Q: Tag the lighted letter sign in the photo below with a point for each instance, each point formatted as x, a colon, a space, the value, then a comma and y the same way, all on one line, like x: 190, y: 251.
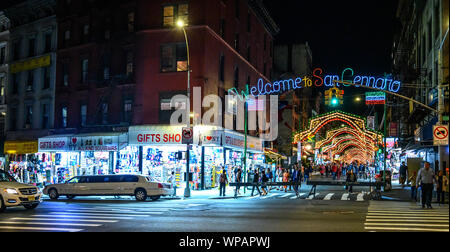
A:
x: 375, y: 98
x: 318, y: 80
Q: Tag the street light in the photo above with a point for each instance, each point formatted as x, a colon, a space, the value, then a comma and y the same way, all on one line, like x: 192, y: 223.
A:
x: 181, y: 24
x: 358, y: 99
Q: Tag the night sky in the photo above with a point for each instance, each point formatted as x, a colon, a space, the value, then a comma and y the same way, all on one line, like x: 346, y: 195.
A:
x: 341, y: 34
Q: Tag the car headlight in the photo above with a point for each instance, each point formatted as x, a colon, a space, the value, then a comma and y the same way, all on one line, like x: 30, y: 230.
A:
x: 11, y: 191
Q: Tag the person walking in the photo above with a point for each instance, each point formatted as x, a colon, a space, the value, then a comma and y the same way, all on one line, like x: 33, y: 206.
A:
x: 402, y: 172
x: 171, y: 180
x: 440, y: 188
x: 255, y: 182
x: 264, y: 180
x: 307, y: 173
x: 425, y: 179
x: 413, y: 186
x: 334, y: 171
x: 285, y: 178
x: 351, y: 178
x: 223, y: 180
x: 238, y: 180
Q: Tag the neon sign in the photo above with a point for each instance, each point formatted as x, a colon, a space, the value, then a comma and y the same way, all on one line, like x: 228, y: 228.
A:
x: 381, y: 83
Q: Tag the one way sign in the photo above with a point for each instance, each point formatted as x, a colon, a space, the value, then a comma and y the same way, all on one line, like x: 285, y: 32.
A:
x: 440, y: 135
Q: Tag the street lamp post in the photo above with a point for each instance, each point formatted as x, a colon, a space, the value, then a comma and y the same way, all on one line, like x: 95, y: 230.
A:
x: 187, y: 190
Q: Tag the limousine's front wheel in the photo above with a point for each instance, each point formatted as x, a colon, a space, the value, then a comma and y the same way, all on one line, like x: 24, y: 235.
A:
x: 53, y: 194
x: 140, y: 194
x: 2, y: 205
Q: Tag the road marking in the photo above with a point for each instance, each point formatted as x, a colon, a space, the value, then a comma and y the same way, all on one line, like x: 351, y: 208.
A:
x: 81, y: 217
x: 52, y: 223
x: 345, y: 196
x: 287, y: 195
x: 408, y: 214
x: 55, y: 219
x: 406, y: 229
x: 407, y: 224
x: 328, y: 197
x: 115, y: 212
x: 272, y: 195
x: 102, y: 214
x: 360, y: 197
x: 313, y: 196
x: 409, y: 217
x: 398, y: 220
x: 299, y: 195
x: 42, y: 229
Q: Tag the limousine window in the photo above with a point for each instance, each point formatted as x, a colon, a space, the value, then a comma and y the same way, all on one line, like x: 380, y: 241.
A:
x: 74, y: 180
x: 130, y: 179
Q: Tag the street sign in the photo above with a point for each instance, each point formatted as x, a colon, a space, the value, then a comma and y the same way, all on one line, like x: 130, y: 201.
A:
x: 440, y: 134
x: 188, y: 135
x: 375, y: 98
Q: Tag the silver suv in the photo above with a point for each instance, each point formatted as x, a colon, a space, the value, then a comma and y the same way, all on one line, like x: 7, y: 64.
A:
x: 14, y: 194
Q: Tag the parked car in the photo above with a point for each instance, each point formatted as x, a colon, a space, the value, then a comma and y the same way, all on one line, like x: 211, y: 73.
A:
x: 14, y: 194
x: 141, y: 187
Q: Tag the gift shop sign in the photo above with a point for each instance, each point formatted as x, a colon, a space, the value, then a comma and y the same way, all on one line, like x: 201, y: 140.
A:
x: 54, y: 144
x: 95, y: 143
x: 170, y: 135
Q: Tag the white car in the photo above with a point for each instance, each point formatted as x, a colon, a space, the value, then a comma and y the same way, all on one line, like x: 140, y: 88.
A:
x: 138, y: 186
x: 14, y: 194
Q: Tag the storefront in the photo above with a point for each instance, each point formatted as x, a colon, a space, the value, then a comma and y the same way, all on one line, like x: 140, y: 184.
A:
x: 21, y: 161
x: 102, y: 153
x: 214, y: 156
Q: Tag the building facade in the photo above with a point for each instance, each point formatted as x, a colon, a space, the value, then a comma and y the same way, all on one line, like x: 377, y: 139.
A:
x: 4, y: 38
x: 420, y: 60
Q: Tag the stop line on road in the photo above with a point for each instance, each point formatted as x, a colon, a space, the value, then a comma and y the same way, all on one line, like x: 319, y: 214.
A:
x: 359, y: 197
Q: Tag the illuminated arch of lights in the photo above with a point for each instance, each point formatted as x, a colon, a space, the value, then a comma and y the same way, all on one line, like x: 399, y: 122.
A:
x: 348, y: 139
x: 355, y: 123
x: 332, y: 134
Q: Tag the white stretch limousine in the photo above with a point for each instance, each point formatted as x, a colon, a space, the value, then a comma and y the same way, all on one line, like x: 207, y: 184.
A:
x: 110, y: 185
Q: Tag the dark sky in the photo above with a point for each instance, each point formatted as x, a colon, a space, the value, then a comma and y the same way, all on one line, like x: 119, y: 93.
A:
x: 341, y: 34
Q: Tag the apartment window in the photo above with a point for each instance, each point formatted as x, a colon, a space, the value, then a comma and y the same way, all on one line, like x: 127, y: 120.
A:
x: 64, y: 117
x: 83, y: 115
x: 130, y: 64
x: 222, y: 28
x: 222, y: 68
x: 85, y: 33
x: 127, y: 110
x: 174, y: 58
x: 131, y: 22
x: 2, y: 55
x: 237, y: 8
x: 105, y: 113
x: 175, y: 12
x: 48, y: 42
x: 13, y: 119
x: 84, y: 71
x: 30, y: 81
x: 28, y: 116
x: 66, y: 74
x: 236, y: 77
x: 15, y: 81
x: 16, y: 50
x: 46, y: 78
x: 45, y: 116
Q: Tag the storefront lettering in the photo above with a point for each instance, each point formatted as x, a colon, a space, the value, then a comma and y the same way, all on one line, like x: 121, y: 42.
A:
x: 52, y: 145
x: 159, y: 138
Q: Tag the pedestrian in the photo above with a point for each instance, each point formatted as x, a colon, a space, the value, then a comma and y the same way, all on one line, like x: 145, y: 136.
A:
x: 351, y: 178
x: 171, y: 180
x: 264, y: 180
x: 440, y: 188
x: 445, y: 185
x: 425, y: 179
x: 402, y: 172
x: 238, y: 180
x: 255, y: 182
x: 334, y: 171
x: 413, y: 186
x: 307, y: 173
x: 285, y: 178
x: 223, y: 180
x: 297, y: 180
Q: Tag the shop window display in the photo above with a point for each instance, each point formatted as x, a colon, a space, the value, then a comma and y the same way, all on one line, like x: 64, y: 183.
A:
x: 58, y: 167
x: 213, y: 165
x: 94, y: 163
x: 128, y: 161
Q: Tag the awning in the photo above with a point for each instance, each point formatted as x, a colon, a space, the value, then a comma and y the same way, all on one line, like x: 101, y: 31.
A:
x: 274, y: 156
x: 55, y: 143
x: 99, y: 142
x: 21, y: 147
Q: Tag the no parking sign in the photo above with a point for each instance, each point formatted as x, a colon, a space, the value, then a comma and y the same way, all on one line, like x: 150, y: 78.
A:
x: 440, y: 134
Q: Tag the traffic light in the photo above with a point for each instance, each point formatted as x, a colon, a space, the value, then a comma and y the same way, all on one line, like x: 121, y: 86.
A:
x: 334, y: 97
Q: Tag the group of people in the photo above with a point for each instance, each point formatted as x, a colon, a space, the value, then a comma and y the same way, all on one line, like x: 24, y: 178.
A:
x: 426, y: 179
x: 338, y: 170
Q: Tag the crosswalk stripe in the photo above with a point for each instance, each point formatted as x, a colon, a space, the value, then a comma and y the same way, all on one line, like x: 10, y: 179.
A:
x: 102, y: 214
x: 328, y: 197
x: 407, y: 214
x: 287, y: 195
x: 56, y: 219
x: 360, y: 197
x: 272, y: 195
x: 113, y: 212
x: 313, y: 196
x: 411, y: 212
x: 51, y: 223
x: 345, y: 196
x: 82, y: 217
x: 409, y: 217
x: 42, y: 229
x: 406, y: 229
x: 399, y: 220
x: 407, y: 224
x: 299, y: 195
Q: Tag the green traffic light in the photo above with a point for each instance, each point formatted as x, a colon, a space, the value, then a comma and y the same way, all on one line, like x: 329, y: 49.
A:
x: 335, y: 101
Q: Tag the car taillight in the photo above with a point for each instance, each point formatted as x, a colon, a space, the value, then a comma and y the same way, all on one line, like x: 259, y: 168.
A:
x: 160, y: 186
